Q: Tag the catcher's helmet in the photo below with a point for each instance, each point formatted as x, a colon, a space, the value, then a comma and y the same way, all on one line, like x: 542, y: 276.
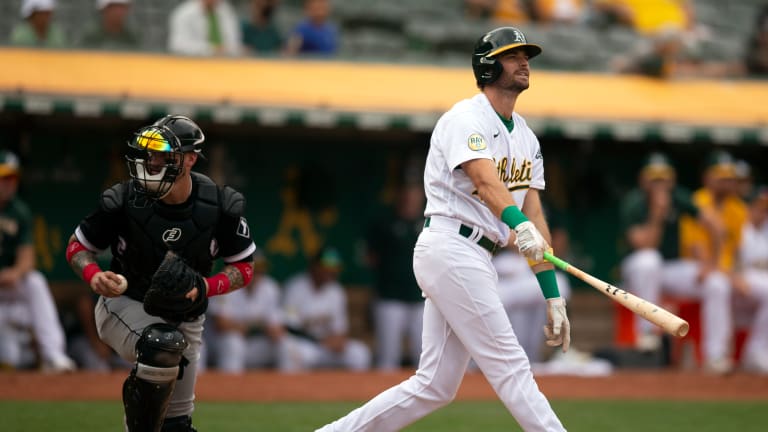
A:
x: 493, y: 43
x: 156, y: 154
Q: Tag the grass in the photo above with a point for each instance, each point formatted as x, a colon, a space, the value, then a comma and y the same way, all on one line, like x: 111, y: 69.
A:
x: 462, y: 416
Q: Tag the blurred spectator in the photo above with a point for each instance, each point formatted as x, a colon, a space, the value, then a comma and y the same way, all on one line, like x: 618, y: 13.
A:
x: 315, y: 34
x: 756, y: 60
x: 30, y: 330
x: 559, y: 11
x: 315, y: 306
x: 745, y: 180
x: 111, y: 31
x: 247, y: 324
x: 666, y: 55
x: 398, y: 306
x: 655, y: 261
x: 655, y: 57
x: 751, y: 284
x: 479, y: 9
x: 204, y: 28
x: 511, y: 11
x: 647, y: 17
x: 260, y: 33
x: 719, y: 250
x: 37, y: 27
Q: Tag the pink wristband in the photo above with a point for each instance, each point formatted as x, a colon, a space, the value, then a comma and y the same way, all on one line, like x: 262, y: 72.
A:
x: 217, y: 284
x: 89, y: 271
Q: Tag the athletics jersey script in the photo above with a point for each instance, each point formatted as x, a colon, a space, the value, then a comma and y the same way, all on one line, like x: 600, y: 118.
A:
x: 473, y: 130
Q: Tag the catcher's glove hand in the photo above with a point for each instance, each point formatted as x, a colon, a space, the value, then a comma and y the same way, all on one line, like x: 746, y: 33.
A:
x: 166, y: 296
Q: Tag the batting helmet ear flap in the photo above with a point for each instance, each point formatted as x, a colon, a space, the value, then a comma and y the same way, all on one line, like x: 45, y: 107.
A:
x: 487, y: 70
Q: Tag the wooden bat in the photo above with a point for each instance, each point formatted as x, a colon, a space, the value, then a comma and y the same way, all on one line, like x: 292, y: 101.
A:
x: 668, y: 321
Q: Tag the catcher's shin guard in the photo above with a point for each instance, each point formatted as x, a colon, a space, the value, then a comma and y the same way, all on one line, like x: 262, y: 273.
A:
x: 178, y: 424
x: 147, y: 390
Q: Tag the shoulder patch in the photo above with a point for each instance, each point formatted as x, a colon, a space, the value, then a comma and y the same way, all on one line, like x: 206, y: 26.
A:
x: 476, y: 142
x: 232, y: 201
x: 113, y: 198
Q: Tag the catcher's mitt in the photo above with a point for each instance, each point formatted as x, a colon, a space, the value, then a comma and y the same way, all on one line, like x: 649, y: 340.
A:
x: 169, y: 286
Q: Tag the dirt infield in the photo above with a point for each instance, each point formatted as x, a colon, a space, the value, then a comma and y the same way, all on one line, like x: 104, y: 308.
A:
x: 341, y: 386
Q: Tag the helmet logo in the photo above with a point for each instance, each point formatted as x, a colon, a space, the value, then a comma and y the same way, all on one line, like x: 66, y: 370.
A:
x: 172, y: 235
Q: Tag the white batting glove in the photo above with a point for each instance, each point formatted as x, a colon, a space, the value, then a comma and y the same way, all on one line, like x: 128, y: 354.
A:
x: 530, y: 242
x: 558, y: 328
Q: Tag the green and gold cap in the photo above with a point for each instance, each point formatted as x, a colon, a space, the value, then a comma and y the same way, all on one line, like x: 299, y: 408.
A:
x: 657, y: 167
x: 9, y: 163
x: 722, y: 165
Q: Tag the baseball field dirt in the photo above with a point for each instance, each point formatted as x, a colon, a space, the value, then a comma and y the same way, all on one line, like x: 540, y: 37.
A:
x: 345, y: 386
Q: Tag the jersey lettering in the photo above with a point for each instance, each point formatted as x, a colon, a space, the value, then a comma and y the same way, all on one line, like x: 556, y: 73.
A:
x: 515, y: 173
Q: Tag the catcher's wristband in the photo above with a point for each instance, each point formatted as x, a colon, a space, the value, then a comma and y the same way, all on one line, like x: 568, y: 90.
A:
x: 548, y: 283
x: 218, y: 284
x: 90, y: 271
x: 533, y: 263
x: 512, y: 216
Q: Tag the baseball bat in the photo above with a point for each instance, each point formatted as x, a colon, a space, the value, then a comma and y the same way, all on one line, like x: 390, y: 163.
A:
x: 668, y: 321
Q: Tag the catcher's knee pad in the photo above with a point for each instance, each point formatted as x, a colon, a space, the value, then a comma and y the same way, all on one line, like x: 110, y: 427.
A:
x: 159, y: 352
x: 147, y: 391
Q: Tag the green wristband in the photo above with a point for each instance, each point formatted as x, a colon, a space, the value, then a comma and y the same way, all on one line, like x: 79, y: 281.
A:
x: 548, y: 283
x: 512, y: 216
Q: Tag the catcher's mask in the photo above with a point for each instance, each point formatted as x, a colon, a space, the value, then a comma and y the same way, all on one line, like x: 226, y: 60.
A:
x: 156, y: 154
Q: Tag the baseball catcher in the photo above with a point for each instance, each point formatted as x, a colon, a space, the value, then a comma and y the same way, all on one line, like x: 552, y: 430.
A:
x: 166, y: 226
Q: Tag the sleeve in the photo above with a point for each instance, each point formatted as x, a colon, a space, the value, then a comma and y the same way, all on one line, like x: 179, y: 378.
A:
x: 272, y: 298
x: 462, y: 138
x: 685, y: 203
x: 25, y: 224
x: 537, y: 169
x: 98, y: 230
x: 290, y: 309
x: 340, y: 323
x: 233, y: 235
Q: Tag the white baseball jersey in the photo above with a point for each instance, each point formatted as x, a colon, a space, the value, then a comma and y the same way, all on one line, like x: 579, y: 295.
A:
x: 319, y: 312
x: 471, y: 129
x: 256, y: 304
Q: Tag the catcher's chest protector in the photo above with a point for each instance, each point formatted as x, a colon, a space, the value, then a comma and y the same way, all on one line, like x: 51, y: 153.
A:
x: 188, y: 230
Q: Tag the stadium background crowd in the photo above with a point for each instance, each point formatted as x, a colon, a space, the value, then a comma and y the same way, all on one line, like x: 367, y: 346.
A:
x: 303, y: 204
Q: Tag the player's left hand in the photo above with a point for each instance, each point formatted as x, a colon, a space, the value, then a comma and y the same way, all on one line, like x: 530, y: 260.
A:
x: 530, y: 242
x: 558, y: 328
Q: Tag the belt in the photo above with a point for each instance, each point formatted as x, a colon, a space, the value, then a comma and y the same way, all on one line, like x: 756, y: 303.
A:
x: 466, y: 231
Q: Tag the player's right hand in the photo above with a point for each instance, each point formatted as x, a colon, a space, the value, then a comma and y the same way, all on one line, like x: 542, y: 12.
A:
x: 530, y: 242
x: 106, y: 283
x: 558, y: 328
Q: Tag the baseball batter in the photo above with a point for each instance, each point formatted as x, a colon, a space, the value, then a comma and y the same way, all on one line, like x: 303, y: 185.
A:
x: 482, y: 164
x: 164, y: 207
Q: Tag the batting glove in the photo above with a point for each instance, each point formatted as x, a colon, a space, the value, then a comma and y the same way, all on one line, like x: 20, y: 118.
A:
x: 530, y: 242
x: 558, y: 328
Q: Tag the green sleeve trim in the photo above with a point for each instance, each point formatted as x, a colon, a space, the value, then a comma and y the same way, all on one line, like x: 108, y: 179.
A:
x: 548, y: 283
x: 512, y: 216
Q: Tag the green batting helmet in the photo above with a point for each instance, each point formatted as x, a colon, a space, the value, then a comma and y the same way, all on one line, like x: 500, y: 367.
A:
x: 493, y: 43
